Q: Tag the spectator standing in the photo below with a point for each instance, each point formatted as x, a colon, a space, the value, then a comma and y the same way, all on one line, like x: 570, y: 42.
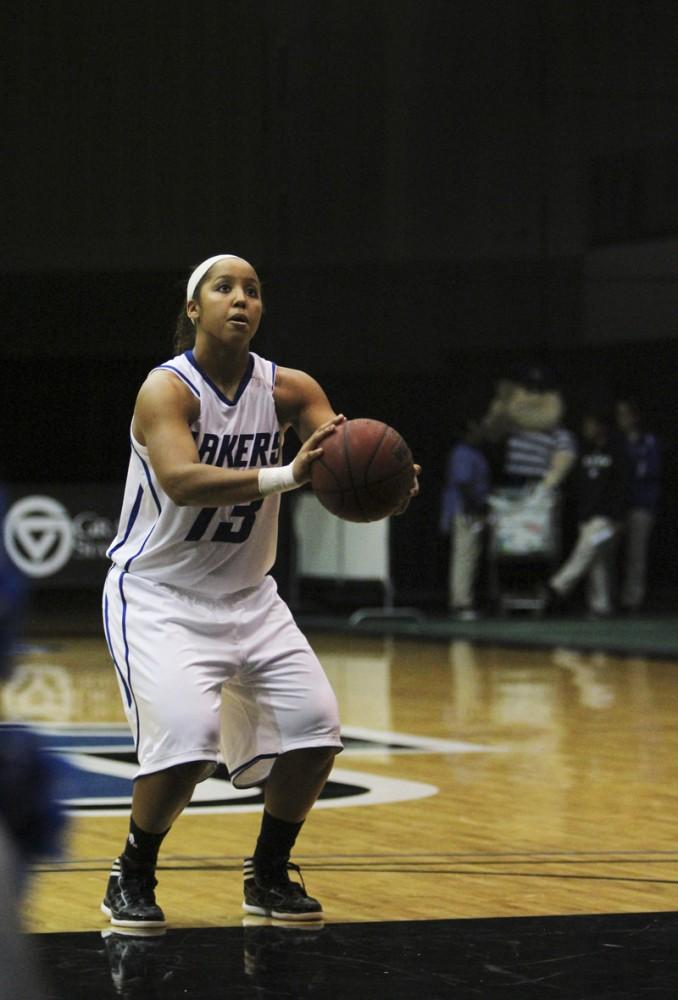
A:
x: 602, y: 491
x: 467, y: 484
x: 645, y: 461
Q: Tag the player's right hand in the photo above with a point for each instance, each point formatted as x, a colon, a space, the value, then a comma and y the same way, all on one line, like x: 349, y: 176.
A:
x: 310, y: 449
x: 414, y: 491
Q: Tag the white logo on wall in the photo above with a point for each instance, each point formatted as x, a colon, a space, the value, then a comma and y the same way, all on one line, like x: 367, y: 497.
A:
x: 39, y: 535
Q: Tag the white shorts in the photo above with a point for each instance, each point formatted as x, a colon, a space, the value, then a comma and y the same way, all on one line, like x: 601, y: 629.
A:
x: 232, y: 680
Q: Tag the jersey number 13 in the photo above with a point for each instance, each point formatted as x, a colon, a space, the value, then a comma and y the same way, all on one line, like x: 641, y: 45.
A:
x: 226, y: 531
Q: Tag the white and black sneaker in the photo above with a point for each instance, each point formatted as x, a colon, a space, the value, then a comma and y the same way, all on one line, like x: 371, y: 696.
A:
x: 275, y: 895
x: 130, y: 897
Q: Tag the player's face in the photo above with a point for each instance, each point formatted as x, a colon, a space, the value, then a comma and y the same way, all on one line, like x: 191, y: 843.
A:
x: 591, y: 429
x: 626, y: 418
x: 229, y: 304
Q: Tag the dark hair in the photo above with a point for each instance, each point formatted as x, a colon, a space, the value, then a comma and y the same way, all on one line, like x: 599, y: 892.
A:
x: 600, y: 412
x: 465, y: 425
x: 633, y: 404
x: 184, y: 331
x: 535, y: 377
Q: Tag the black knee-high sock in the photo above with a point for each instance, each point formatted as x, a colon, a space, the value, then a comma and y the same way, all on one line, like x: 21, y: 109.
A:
x: 141, y: 848
x: 275, y: 842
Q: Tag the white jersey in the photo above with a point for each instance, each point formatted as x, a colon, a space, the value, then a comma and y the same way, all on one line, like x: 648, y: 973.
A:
x: 212, y: 551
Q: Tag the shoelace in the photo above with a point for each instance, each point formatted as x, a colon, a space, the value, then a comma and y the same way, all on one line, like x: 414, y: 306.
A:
x: 143, y: 882
x: 281, y: 879
x: 291, y: 867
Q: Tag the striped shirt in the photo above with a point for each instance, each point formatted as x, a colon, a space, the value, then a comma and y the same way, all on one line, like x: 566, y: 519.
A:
x: 529, y: 453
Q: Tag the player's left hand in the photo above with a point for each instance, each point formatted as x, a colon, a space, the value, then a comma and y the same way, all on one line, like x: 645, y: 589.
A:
x: 414, y: 490
x: 311, y: 448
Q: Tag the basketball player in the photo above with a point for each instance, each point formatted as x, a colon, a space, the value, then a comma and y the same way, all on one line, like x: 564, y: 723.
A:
x: 209, y: 660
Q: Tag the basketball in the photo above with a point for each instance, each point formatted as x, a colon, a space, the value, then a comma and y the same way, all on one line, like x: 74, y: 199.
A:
x: 365, y: 472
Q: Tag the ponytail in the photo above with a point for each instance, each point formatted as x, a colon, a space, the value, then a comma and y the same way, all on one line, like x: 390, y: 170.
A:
x: 184, y: 333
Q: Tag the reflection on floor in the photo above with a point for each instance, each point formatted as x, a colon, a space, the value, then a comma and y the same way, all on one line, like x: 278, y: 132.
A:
x: 617, y: 957
x: 507, y: 829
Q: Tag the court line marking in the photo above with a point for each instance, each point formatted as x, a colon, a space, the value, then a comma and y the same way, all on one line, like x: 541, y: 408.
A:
x: 409, y: 742
x: 393, y: 870
x: 490, y: 857
x: 417, y: 743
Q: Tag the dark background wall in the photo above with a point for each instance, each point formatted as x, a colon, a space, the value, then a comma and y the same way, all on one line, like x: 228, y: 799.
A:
x: 430, y: 190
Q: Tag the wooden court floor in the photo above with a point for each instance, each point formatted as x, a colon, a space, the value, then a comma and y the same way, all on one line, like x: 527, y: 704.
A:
x: 477, y: 782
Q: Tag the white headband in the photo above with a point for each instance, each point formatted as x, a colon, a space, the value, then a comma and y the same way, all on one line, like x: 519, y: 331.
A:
x: 202, y: 269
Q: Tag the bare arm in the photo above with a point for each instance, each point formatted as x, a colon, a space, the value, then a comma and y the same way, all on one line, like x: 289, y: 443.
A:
x: 164, y: 411
x: 301, y: 403
x: 561, y: 463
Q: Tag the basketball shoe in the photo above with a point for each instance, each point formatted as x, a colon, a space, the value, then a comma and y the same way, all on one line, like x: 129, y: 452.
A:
x: 273, y: 894
x: 130, y: 897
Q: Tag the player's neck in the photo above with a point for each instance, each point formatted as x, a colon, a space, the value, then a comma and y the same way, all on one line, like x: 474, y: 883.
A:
x: 225, y: 367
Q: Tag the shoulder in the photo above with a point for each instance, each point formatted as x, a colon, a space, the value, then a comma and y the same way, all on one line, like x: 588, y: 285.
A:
x: 300, y: 402
x: 263, y: 369
x: 165, y: 390
x: 292, y: 380
x: 464, y: 456
x: 180, y: 369
x: 294, y: 389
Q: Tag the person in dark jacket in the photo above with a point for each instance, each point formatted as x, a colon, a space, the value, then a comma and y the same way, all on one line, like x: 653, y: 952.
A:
x: 602, y: 485
x: 645, y: 459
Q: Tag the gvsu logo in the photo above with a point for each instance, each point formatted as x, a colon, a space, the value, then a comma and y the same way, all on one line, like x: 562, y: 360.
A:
x: 42, y: 538
x: 39, y: 535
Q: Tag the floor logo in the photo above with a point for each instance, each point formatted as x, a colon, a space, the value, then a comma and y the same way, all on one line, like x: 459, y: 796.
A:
x: 101, y: 764
x: 39, y: 535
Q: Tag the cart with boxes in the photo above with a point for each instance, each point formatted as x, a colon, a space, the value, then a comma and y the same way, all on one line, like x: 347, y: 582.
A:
x: 524, y: 546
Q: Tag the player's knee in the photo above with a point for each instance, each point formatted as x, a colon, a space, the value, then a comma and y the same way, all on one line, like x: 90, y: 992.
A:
x: 191, y: 772
x: 311, y: 760
x: 197, y: 770
x: 322, y: 757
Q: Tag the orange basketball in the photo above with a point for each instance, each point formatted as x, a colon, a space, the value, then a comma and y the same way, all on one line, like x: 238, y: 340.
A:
x: 365, y: 472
